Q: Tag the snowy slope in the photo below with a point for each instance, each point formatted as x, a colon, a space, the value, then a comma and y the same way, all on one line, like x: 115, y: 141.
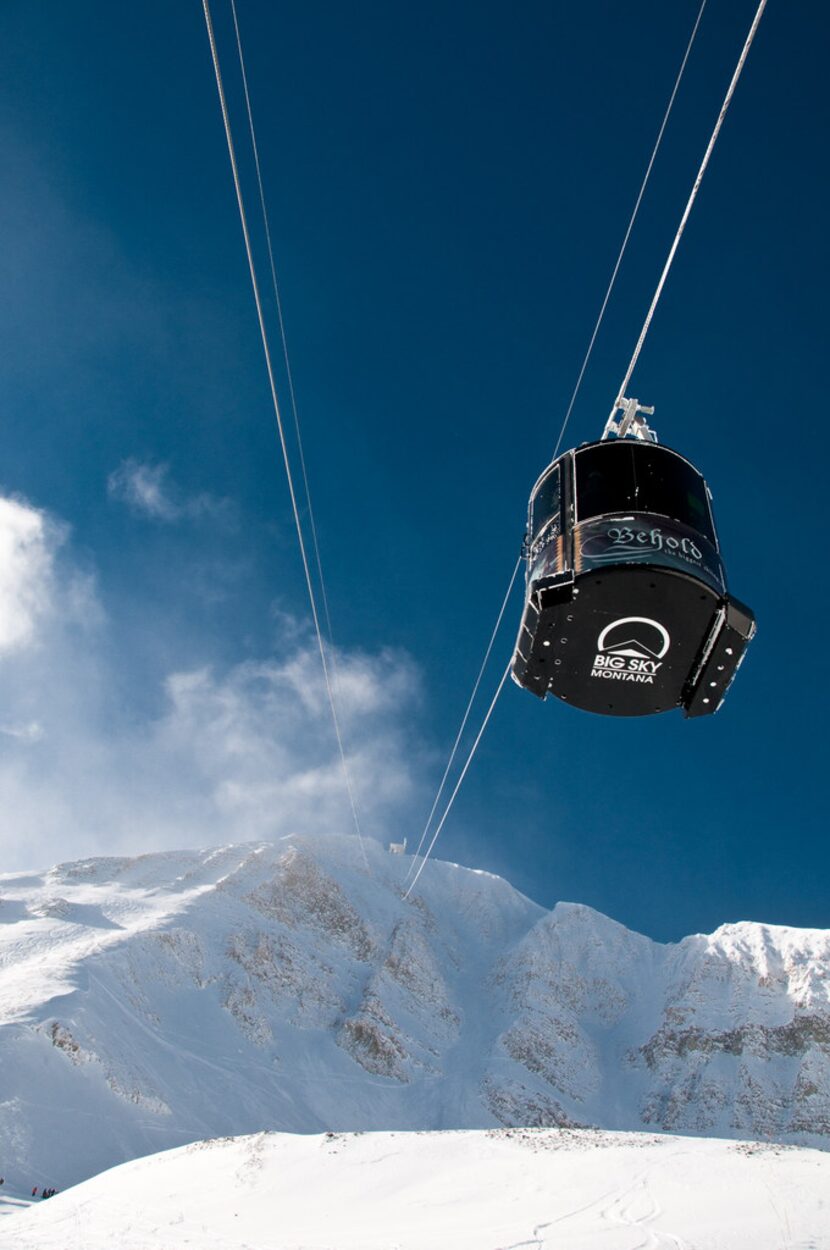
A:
x: 153, y: 1001
x: 496, y: 1190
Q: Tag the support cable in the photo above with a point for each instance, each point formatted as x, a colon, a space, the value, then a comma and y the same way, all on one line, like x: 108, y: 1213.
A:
x: 462, y: 775
x: 567, y: 418
x: 280, y: 428
x: 690, y: 202
x: 287, y: 361
x: 630, y: 227
x: 283, y: 338
x: 465, y: 718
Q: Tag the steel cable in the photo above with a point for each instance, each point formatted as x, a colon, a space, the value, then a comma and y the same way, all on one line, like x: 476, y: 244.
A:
x: 283, y: 338
x: 462, y: 775
x: 466, y: 715
x: 629, y: 228
x: 563, y: 428
x: 280, y: 428
x: 689, y: 203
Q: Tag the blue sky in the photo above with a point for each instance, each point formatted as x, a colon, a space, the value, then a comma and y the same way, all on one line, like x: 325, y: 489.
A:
x: 448, y: 187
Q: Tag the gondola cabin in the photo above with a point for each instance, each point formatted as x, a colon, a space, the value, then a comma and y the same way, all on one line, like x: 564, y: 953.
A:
x: 627, y: 611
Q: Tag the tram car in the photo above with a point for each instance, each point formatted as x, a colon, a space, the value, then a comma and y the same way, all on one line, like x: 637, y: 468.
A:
x: 627, y: 611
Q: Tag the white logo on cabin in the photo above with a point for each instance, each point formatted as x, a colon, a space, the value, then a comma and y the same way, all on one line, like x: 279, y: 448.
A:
x: 631, y: 649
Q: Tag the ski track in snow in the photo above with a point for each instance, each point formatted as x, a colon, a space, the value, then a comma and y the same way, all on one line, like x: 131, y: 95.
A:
x: 543, y: 1190
x: 632, y: 1207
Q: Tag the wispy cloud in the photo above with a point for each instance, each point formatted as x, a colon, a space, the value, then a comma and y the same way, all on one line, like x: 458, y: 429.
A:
x: 240, y: 751
x: 148, y: 490
x: 27, y: 543
x: 26, y: 733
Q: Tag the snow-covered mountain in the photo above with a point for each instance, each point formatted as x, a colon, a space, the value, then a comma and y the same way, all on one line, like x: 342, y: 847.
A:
x: 152, y: 1001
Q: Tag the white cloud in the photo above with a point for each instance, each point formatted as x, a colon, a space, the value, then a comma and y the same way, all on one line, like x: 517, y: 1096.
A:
x: 29, y: 732
x: 246, y: 751
x: 26, y: 547
x: 147, y: 489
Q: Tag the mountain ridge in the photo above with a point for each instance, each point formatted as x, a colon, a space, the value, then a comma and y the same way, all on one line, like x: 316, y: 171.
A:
x: 180, y: 995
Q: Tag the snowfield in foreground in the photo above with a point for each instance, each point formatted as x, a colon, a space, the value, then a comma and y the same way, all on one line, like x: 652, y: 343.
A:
x: 494, y: 1189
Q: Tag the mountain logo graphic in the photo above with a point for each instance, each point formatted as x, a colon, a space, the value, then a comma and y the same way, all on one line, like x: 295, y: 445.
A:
x: 636, y: 636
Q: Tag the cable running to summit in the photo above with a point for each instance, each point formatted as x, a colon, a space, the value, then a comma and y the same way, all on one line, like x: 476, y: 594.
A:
x: 329, y: 677
x: 627, y: 610
x: 628, y: 526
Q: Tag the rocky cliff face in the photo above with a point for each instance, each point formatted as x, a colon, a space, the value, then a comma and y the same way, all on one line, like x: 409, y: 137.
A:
x: 179, y: 996
x: 727, y: 1034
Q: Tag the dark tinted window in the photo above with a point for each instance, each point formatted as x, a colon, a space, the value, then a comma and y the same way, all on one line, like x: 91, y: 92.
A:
x: 668, y: 485
x: 640, y: 477
x: 605, y: 480
x: 546, y: 504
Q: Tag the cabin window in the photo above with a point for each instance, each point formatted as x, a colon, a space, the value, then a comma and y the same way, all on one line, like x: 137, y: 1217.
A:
x: 671, y: 487
x: 605, y: 480
x: 545, y: 507
x: 639, y: 477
